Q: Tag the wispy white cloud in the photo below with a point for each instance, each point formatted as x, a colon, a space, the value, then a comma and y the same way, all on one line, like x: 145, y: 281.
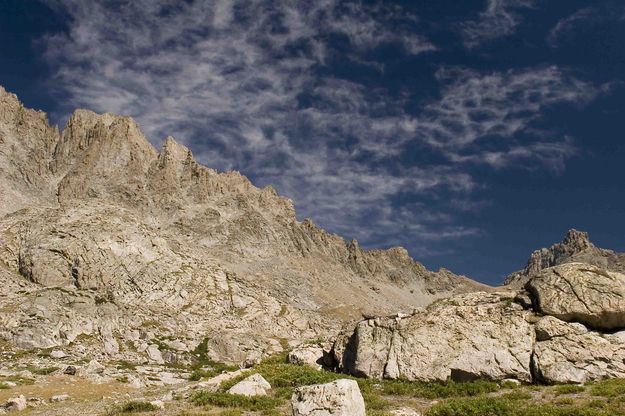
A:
x: 477, y: 107
x: 567, y: 24
x: 246, y: 86
x: 590, y: 16
x: 500, y: 18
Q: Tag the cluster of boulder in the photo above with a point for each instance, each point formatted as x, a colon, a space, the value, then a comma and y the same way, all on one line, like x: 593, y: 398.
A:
x: 564, y: 327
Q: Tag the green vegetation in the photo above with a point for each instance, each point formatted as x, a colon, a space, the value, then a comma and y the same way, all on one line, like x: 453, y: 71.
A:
x: 500, y: 406
x: 476, y: 398
x: 235, y: 401
x: 126, y: 365
x: 569, y: 389
x: 20, y: 381
x: 42, y: 371
x: 134, y: 407
x: 608, y: 388
x: 436, y: 390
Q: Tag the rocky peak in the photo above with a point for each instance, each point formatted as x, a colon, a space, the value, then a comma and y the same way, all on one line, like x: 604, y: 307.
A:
x: 104, y: 156
x: 27, y: 142
x: 575, y: 247
x: 574, y: 242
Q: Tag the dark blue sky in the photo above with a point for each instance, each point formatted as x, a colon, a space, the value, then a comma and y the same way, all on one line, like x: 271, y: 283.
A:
x: 469, y: 132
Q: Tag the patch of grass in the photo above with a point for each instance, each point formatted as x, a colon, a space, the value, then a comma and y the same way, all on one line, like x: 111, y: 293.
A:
x: 437, y: 390
x: 235, y: 401
x: 126, y: 365
x: 510, y: 385
x: 44, y: 371
x: 4, y: 386
x: 568, y: 389
x: 501, y: 406
x: 22, y: 381
x: 134, y: 406
x: 475, y: 406
x: 231, y: 412
x: 518, y: 395
x: 608, y: 388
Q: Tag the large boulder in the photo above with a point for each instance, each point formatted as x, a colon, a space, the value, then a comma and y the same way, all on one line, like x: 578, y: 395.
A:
x: 254, y: 385
x: 339, y: 398
x: 579, y: 292
x: 312, y: 355
x: 570, y: 353
x: 470, y: 336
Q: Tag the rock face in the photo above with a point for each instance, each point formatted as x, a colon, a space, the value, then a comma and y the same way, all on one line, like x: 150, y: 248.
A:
x: 254, y: 385
x: 570, y: 353
x: 478, y: 335
x: 102, y: 237
x: 339, y: 398
x: 578, y: 292
x: 576, y: 247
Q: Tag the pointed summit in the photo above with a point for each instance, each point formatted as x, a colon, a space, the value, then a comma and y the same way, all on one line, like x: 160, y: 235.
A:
x: 575, y: 247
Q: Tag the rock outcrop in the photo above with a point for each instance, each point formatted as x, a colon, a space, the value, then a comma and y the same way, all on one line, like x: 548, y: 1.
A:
x: 466, y: 337
x: 551, y: 334
x: 339, y: 398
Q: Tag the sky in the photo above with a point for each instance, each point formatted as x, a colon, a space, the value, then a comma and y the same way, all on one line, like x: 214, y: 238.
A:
x: 471, y: 132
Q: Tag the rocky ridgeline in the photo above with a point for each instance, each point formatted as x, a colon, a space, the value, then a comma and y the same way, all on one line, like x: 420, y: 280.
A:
x: 568, y: 326
x: 113, y: 250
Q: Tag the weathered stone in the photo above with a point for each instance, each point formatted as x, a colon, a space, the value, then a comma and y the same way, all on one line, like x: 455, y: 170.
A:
x: 94, y: 367
x: 154, y: 353
x: 254, y: 385
x: 59, y: 398
x: 70, y: 370
x: 57, y: 354
x: 339, y: 398
x: 158, y: 404
x: 578, y: 292
x: 478, y: 335
x: 568, y: 353
x: 16, y: 403
x: 311, y: 355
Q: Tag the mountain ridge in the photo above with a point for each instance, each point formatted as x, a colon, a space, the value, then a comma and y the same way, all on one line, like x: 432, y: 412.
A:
x: 96, y: 210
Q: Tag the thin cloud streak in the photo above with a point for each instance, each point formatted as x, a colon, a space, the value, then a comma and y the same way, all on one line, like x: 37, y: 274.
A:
x: 500, y: 18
